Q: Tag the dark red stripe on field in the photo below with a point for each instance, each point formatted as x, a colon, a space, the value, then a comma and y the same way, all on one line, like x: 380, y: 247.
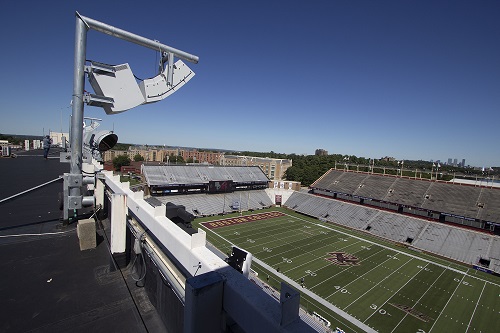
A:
x: 242, y: 219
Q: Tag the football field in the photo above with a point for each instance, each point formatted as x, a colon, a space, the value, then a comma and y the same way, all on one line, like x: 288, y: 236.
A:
x: 385, y: 287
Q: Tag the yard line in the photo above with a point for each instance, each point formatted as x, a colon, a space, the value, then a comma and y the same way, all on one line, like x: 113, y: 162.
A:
x: 473, y: 312
x: 395, y: 293
x: 342, y: 270
x: 449, y: 299
x: 377, y: 284
x: 444, y: 270
x: 359, y: 277
x: 396, y: 250
x: 318, y: 258
x: 320, y: 300
x: 284, y: 238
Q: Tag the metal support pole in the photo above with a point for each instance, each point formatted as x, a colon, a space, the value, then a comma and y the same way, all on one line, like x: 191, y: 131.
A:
x: 136, y: 39
x: 78, y: 89
x: 74, y: 179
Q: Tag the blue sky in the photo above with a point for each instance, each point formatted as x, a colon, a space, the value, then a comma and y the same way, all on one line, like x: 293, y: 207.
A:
x: 409, y: 79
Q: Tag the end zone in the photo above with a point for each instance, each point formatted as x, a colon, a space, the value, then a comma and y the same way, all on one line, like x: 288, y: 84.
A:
x: 241, y: 219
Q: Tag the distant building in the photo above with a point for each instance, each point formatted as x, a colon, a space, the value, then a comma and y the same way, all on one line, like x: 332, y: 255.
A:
x: 321, y: 152
x: 449, y: 161
x: 455, y: 162
x: 57, y: 137
x: 274, y: 168
x: 463, y: 162
x: 163, y: 155
x: 201, y: 156
x: 388, y: 159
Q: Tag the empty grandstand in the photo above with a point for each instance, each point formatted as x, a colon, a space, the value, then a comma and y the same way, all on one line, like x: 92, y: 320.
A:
x: 472, y: 206
x: 397, y: 209
x: 464, y: 245
x: 163, y: 179
x: 212, y: 189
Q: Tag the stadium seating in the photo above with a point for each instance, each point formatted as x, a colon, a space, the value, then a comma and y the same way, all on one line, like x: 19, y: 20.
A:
x: 219, y: 203
x: 200, y: 174
x: 452, y: 242
x: 442, y: 197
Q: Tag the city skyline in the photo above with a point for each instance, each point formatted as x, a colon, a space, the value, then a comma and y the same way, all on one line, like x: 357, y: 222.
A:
x: 414, y: 80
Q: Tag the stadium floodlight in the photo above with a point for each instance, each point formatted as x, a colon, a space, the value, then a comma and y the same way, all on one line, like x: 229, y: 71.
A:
x: 116, y: 90
x: 96, y: 142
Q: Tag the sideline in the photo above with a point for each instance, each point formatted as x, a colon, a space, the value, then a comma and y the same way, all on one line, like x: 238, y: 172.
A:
x: 398, y: 251
x: 309, y: 293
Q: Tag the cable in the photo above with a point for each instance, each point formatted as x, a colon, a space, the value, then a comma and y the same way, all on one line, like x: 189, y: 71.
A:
x: 42, y: 234
x: 138, y: 253
x: 121, y: 273
x: 31, y: 189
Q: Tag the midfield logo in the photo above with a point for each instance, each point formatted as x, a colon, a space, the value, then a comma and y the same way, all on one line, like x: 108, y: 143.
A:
x: 342, y: 259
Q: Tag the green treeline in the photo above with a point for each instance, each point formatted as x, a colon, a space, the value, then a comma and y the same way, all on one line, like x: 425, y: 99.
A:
x: 308, y: 168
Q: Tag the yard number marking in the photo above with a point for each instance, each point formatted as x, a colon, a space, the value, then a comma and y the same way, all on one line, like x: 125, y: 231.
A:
x: 425, y: 269
x: 311, y: 273
x: 381, y: 311
x: 465, y: 283
x: 342, y: 290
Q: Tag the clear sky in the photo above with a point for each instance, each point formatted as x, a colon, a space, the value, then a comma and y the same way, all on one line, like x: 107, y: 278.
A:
x: 410, y: 79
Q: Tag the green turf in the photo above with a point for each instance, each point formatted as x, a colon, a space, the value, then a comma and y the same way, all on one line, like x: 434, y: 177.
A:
x: 386, y: 278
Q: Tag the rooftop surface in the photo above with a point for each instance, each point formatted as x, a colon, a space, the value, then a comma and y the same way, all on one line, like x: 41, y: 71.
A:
x: 47, y: 283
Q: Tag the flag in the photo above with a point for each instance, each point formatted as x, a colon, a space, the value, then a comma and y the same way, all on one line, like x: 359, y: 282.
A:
x: 439, y: 165
x: 491, y: 169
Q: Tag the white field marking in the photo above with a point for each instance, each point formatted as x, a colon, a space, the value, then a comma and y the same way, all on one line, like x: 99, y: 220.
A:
x: 274, y: 245
x: 296, y: 233
x: 317, y: 257
x: 404, y: 285
x: 330, y: 263
x: 396, y: 250
x: 272, y: 238
x: 309, y: 233
x: 406, y: 315
x: 366, y: 292
x: 320, y: 300
x: 359, y: 277
x: 282, y: 229
x: 320, y: 258
x: 477, y: 303
x: 449, y: 299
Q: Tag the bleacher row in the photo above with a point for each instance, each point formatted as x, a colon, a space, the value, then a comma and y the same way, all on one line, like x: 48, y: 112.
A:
x: 463, y: 200
x: 455, y: 243
x: 161, y: 175
x: 213, y: 204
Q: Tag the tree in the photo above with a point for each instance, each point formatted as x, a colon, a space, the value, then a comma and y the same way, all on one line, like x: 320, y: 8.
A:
x: 138, y: 158
x: 119, y: 161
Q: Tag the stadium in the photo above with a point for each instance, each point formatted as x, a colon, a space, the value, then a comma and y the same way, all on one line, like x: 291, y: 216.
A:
x: 239, y: 247
x: 367, y: 251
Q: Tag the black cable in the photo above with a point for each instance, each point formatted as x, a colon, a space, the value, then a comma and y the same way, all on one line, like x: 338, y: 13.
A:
x: 119, y: 269
x: 141, y: 256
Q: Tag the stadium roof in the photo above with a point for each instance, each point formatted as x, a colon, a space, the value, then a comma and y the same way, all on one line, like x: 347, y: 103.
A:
x: 49, y: 284
x: 193, y: 174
